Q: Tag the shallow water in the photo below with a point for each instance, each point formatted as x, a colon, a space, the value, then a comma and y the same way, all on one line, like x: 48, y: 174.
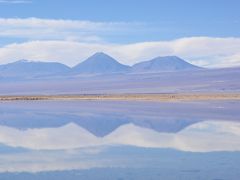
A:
x: 119, y: 140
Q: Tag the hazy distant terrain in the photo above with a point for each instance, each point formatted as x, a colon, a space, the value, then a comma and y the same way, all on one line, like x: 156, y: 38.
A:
x: 214, y: 80
x: 99, y: 63
x: 101, y: 74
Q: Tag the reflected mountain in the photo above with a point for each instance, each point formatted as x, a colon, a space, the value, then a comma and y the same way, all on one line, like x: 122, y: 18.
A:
x: 204, y: 136
x: 100, y: 125
x: 102, y: 118
x: 70, y: 139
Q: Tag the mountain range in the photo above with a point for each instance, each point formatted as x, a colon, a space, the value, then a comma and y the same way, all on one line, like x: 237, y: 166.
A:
x: 99, y: 63
x: 167, y: 63
x: 31, y: 68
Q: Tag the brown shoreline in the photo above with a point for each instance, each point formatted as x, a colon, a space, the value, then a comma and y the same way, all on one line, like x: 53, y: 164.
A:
x: 127, y: 97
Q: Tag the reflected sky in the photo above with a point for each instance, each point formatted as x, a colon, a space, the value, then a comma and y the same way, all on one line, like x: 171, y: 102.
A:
x: 66, y: 135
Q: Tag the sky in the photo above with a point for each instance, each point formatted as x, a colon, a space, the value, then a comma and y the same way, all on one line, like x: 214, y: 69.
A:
x: 205, y: 33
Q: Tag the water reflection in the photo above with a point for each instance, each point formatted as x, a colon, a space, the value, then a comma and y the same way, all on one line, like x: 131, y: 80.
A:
x: 43, y: 136
x: 102, y: 118
x: 201, y: 137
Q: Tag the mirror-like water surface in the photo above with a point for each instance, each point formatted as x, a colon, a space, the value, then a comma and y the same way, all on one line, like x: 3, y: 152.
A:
x: 119, y: 140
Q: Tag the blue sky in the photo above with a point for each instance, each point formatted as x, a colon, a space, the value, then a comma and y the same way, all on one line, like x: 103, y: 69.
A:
x: 168, y: 19
x: 124, y: 22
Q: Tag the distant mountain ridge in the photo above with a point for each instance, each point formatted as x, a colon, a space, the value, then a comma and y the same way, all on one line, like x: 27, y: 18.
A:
x: 25, y: 68
x: 161, y: 64
x: 99, y: 63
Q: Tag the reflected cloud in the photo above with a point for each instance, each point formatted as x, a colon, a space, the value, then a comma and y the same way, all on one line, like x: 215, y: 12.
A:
x: 204, y: 136
x: 102, y: 118
x: 48, y: 136
x: 35, y: 161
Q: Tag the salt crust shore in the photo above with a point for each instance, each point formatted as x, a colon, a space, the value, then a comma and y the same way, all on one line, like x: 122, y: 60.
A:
x: 127, y: 97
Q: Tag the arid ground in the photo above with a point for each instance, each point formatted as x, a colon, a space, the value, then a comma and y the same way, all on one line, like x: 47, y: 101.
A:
x: 128, y: 97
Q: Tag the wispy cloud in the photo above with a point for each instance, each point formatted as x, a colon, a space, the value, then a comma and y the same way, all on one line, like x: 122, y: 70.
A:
x: 15, y: 1
x: 52, y: 29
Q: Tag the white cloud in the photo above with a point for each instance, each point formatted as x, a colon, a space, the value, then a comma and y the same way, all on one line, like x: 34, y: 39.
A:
x: 59, y: 29
x: 203, y: 51
x: 71, y: 41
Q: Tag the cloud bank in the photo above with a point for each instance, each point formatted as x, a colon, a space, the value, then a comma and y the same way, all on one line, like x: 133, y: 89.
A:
x: 72, y: 41
x: 209, y: 135
x: 202, y: 51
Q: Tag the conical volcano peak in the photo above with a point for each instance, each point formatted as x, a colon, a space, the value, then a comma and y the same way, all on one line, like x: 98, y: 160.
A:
x: 164, y: 63
x: 168, y: 58
x: 100, y: 54
x: 100, y: 63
